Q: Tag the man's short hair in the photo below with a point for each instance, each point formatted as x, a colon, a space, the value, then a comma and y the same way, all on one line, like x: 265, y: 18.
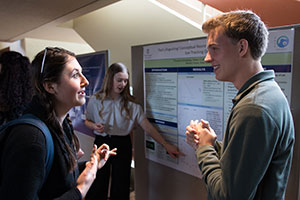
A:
x: 242, y: 24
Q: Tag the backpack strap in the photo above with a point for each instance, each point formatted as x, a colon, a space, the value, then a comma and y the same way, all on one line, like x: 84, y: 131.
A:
x: 35, y: 121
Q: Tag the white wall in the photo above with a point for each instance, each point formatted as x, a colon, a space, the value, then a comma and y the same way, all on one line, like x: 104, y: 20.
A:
x: 131, y: 22
x: 30, y: 47
x: 33, y: 46
x: 14, y: 46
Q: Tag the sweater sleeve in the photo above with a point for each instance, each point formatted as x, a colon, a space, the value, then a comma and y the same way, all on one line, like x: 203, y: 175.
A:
x: 250, y: 144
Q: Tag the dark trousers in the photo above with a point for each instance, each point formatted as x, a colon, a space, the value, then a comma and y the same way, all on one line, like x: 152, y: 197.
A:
x: 117, y: 166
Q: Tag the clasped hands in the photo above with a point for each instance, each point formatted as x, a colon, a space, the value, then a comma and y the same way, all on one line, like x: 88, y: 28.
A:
x: 199, y: 134
x: 98, y: 127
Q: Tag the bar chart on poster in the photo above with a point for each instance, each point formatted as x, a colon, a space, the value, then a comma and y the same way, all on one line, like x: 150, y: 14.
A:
x: 180, y: 87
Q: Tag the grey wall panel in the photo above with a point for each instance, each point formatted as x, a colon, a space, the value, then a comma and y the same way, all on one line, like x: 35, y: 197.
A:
x: 293, y: 185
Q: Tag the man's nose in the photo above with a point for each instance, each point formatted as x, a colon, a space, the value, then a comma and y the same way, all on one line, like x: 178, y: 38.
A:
x: 207, y: 57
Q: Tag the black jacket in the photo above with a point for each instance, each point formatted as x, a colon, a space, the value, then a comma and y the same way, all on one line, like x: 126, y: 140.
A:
x: 23, y: 164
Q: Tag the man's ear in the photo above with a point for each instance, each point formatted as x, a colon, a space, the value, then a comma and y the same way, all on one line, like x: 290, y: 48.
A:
x: 243, y: 47
x: 50, y: 87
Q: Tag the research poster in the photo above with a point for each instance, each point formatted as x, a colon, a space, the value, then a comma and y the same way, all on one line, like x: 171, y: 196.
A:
x: 180, y: 87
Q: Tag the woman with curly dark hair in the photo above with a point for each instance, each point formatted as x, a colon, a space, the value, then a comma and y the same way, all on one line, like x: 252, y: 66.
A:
x: 15, y: 85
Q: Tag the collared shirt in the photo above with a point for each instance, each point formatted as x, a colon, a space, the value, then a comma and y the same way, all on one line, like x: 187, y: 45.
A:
x: 115, y: 122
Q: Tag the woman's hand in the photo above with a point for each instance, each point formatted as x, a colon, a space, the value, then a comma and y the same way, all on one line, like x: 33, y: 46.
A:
x: 172, y: 150
x: 94, y: 126
x: 88, y: 175
x: 98, y: 159
x: 103, y: 153
x: 99, y: 127
x: 149, y: 128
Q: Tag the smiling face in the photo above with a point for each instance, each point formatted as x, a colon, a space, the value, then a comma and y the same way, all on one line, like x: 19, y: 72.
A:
x: 120, y: 81
x: 70, y: 90
x: 223, y: 55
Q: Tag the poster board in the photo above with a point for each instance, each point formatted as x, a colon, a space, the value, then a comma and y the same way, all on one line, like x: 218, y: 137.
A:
x: 154, y: 180
x: 180, y: 87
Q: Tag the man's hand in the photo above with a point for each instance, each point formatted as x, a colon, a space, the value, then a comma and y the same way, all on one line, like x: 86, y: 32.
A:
x: 199, y: 134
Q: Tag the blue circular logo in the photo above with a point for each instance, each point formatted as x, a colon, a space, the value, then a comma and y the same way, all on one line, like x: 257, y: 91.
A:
x: 282, y: 41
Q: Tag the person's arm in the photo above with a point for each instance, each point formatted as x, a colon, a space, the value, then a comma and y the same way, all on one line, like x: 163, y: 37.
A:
x: 199, y: 134
x: 149, y: 128
x: 97, y: 161
x: 87, y: 176
x: 246, y: 157
x: 94, y: 126
x: 218, y: 146
x: 92, y: 116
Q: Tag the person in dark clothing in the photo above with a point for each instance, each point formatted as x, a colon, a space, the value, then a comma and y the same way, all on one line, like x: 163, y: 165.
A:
x: 59, y: 85
x: 16, y: 89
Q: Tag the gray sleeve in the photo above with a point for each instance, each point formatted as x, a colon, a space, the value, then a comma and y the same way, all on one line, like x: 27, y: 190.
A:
x: 245, y: 159
x: 140, y: 115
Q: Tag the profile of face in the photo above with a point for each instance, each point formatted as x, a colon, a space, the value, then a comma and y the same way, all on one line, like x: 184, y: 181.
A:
x: 70, y: 89
x: 120, y: 80
x: 222, y: 55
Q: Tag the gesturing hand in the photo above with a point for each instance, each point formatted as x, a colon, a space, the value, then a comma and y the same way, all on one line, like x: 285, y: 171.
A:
x: 103, y: 153
x: 98, y: 159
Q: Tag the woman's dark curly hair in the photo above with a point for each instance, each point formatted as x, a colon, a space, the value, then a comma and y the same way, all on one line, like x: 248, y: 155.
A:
x: 16, y: 88
x: 48, y: 66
